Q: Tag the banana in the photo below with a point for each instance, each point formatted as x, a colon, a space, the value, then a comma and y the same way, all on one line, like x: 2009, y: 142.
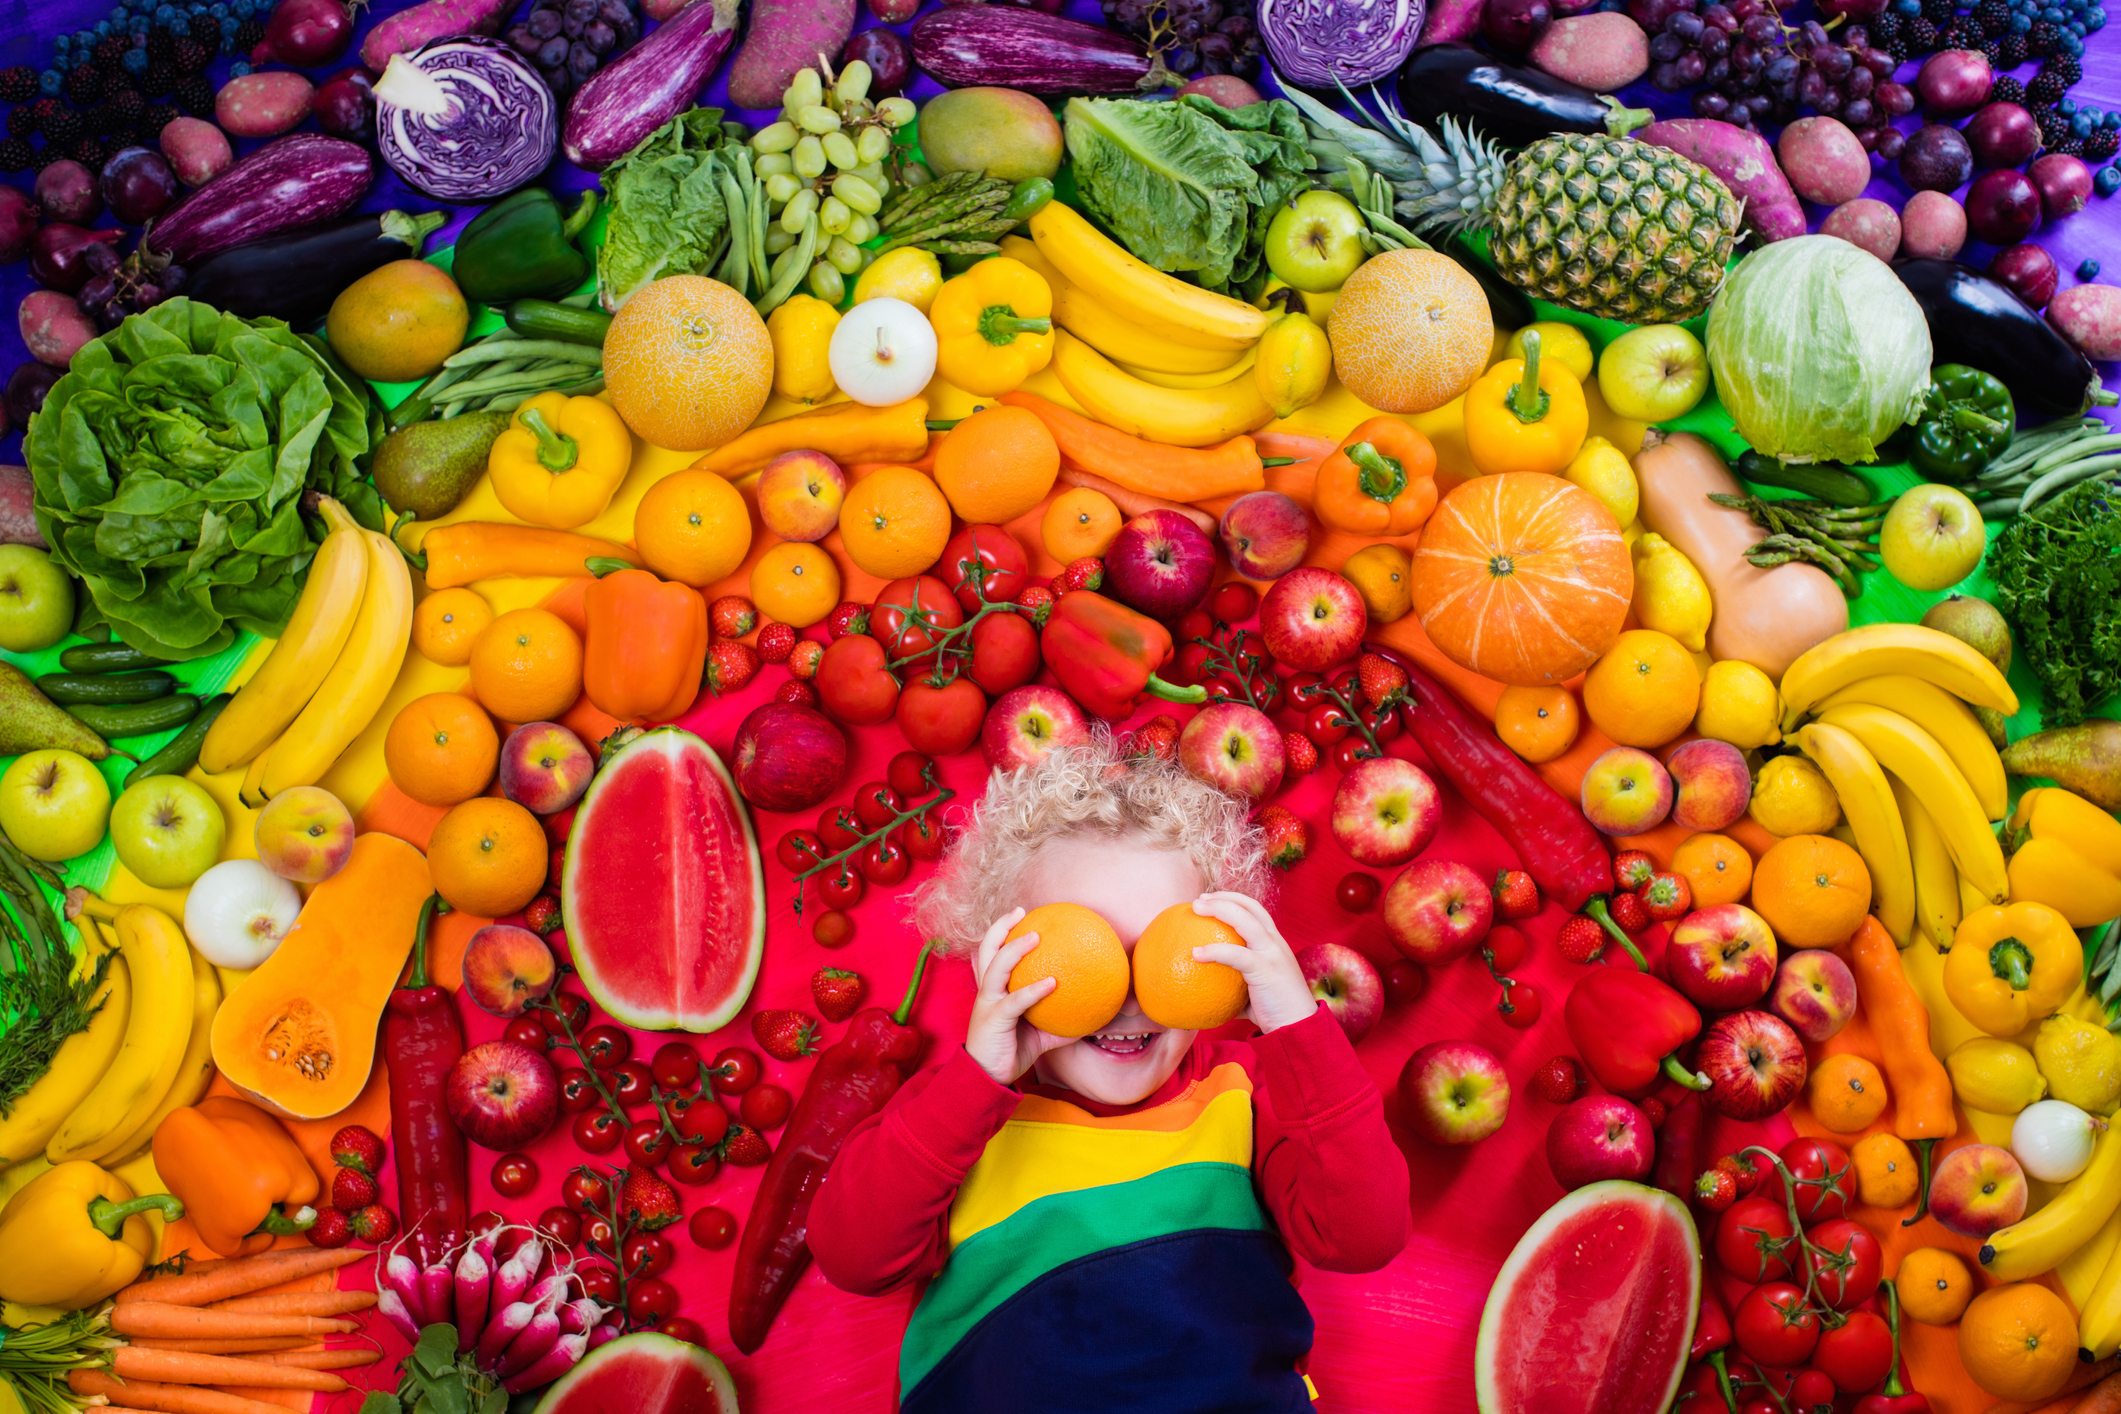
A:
x: 1944, y: 717
x: 1914, y: 756
x: 349, y: 697
x: 2032, y: 1245
x: 76, y: 1067
x: 292, y: 671
x: 1971, y: 899
x: 194, y: 1072
x: 1114, y: 335
x: 1197, y: 418
x: 2099, y: 1314
x: 1106, y: 271
x: 156, y: 1036
x: 1936, y: 881
x: 1878, y: 649
x: 1213, y: 378
x: 1874, y: 818
x: 1295, y: 363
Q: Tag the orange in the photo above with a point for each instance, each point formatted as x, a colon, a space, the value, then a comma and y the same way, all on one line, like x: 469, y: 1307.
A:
x: 1079, y: 522
x: 693, y: 527
x: 1846, y: 1093
x: 1934, y: 1285
x: 1175, y: 990
x: 1716, y: 867
x: 487, y: 856
x: 1887, y: 1177
x: 997, y: 464
x: 795, y: 583
x: 894, y: 523
x: 447, y: 623
x: 688, y: 362
x: 1812, y: 889
x: 1538, y: 723
x: 1643, y: 692
x: 2018, y: 1341
x: 1077, y: 946
x: 1410, y: 331
x: 527, y: 667
x: 441, y: 748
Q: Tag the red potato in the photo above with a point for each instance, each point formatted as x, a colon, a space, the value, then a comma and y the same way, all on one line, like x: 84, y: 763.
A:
x: 53, y: 326
x: 661, y: 10
x: 1600, y: 52
x: 1451, y: 19
x: 782, y: 37
x: 1865, y: 222
x: 407, y: 30
x: 263, y: 105
x: 1823, y: 160
x: 2089, y: 316
x: 197, y: 150
x: 1746, y: 165
x: 18, y: 514
x: 1932, y: 225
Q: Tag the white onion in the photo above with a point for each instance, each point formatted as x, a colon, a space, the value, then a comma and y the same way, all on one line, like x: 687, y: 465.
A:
x: 238, y: 912
x: 2053, y: 1139
x: 882, y: 352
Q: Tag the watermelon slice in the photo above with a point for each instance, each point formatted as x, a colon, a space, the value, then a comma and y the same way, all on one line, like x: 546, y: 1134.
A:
x: 643, y: 1373
x: 1594, y: 1311
x: 664, y: 895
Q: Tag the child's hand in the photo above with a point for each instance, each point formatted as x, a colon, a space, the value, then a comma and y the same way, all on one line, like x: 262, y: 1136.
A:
x: 998, y: 1037
x: 1279, y: 994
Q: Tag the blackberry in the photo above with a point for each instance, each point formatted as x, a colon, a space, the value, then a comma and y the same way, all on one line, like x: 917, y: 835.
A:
x: 249, y: 35
x: 1938, y: 12
x: 1961, y: 33
x: 195, y: 95
x: 2102, y: 144
x: 159, y: 116
x: 1994, y: 16
x: 2007, y: 90
x: 192, y: 56
x: 1921, y: 36
x: 2047, y: 86
x: 161, y: 44
x: 16, y: 154
x: 2054, y: 125
x: 89, y: 151
x: 110, y: 50
x: 45, y: 156
x: 126, y: 106
x: 19, y: 84
x: 21, y: 122
x: 2045, y: 37
x: 2010, y: 51
x: 159, y: 80
x: 2066, y: 65
x: 62, y: 127
x: 86, y: 83
x: 2070, y: 146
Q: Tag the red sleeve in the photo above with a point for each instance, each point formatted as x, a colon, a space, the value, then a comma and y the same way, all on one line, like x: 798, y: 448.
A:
x: 1328, y: 1169
x: 881, y: 1218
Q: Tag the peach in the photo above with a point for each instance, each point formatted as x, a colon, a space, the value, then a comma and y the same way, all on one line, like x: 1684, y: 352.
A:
x: 800, y: 494
x: 1815, y: 993
x: 1265, y: 534
x: 1978, y: 1189
x: 544, y: 767
x: 305, y: 833
x: 506, y: 969
x: 1626, y: 792
x: 1710, y: 785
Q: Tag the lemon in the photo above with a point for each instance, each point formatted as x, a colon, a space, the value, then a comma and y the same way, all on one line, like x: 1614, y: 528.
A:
x: 1317, y: 304
x: 908, y: 274
x: 1602, y: 469
x: 2080, y: 1062
x: 1739, y: 705
x: 801, y: 330
x: 1564, y: 343
x: 1791, y: 797
x: 1384, y: 577
x: 1670, y: 594
x: 1997, y: 1076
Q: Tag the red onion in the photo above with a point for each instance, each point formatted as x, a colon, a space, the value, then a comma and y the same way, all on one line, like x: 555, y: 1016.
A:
x: 67, y: 192
x: 18, y: 223
x: 2064, y: 182
x: 56, y: 251
x: 2027, y: 271
x: 305, y: 33
x: 2002, y: 135
x: 26, y: 388
x: 2002, y: 207
x: 1954, y: 82
x: 345, y: 105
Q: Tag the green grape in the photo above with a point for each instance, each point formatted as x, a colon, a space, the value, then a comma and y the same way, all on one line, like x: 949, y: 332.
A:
x: 839, y: 150
x: 873, y: 174
x: 862, y: 228
x: 854, y: 82
x: 774, y: 137
x: 817, y: 118
x: 809, y: 157
x: 856, y: 193
x: 845, y: 255
x: 826, y: 284
x: 873, y: 146
x: 833, y: 216
x: 778, y: 240
x: 896, y: 112
x: 804, y: 90
x: 774, y: 164
x: 913, y: 174
x: 801, y: 207
x: 781, y: 187
x: 861, y: 110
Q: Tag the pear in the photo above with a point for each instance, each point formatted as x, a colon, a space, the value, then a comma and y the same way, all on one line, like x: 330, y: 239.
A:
x: 424, y: 468
x: 30, y: 722
x: 1977, y: 624
x: 2085, y: 758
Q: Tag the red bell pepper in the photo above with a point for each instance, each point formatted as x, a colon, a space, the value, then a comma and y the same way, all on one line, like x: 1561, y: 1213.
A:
x: 422, y: 1039
x: 1106, y: 655
x: 1712, y: 1328
x: 1679, y: 1148
x: 854, y: 1078
x: 1894, y: 1397
x: 1626, y: 1026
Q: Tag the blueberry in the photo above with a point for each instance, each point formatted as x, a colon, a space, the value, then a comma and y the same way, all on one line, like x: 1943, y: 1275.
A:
x: 2081, y: 125
x: 2088, y: 271
x: 2095, y: 21
x: 2108, y: 181
x: 238, y: 69
x: 2067, y: 107
x: 135, y: 61
x: 49, y: 83
x: 2073, y: 46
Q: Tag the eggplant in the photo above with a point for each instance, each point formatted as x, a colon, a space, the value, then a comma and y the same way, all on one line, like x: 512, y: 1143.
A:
x: 648, y: 85
x: 1513, y: 104
x: 1030, y: 50
x: 295, y: 277
x: 291, y: 182
x: 1979, y: 322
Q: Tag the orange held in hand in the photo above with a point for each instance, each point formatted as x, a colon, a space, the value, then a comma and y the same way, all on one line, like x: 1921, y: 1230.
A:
x: 1812, y: 889
x: 447, y: 623
x: 1079, y: 948
x: 488, y: 857
x: 441, y: 749
x: 1175, y: 990
x: 527, y: 667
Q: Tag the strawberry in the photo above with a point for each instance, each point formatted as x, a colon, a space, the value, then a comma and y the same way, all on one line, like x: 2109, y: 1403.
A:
x: 556, y: 865
x: 1715, y: 1190
x: 1036, y: 600
x: 1516, y: 896
x: 730, y: 666
x: 745, y: 1147
x: 1629, y: 913
x: 732, y: 616
x: 331, y: 1229
x: 849, y: 618
x: 776, y: 642
x: 1299, y: 754
x: 357, y: 1147
x: 1666, y: 896
x: 543, y: 915
x: 352, y: 1189
x: 1559, y: 1080
x: 1085, y: 573
x: 784, y: 1035
x: 837, y: 991
x: 804, y: 658
x: 1288, y: 837
x: 795, y: 690
x: 648, y: 1201
x: 1633, y: 868
x: 1383, y: 681
x: 1581, y: 939
x: 1746, y: 1174
x: 374, y: 1224
x: 1654, y: 1109
x: 1157, y: 737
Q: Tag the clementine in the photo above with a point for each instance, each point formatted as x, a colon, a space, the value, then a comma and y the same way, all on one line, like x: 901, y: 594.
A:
x: 795, y: 583
x: 1538, y: 723
x: 693, y: 527
x: 688, y: 362
x: 2018, y: 1341
x: 447, y: 623
x: 1934, y: 1285
x: 894, y: 523
x: 441, y: 748
x: 1643, y: 692
x: 1846, y: 1093
x: 1716, y: 867
x: 1080, y: 522
x: 1077, y: 946
x: 1812, y: 889
x: 997, y: 464
x: 527, y: 667
x: 488, y: 857
x: 1888, y: 1177
x: 1174, y: 989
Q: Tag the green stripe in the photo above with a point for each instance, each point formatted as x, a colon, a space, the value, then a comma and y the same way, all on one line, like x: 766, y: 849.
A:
x: 997, y: 1262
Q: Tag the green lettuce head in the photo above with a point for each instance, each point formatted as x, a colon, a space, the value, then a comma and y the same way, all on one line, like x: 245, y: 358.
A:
x: 1819, y: 352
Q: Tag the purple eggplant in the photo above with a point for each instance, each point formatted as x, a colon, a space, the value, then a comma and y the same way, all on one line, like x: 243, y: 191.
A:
x: 1030, y: 50
x: 648, y: 85
x: 295, y: 181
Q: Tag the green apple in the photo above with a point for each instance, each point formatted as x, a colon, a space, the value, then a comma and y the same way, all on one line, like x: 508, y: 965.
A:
x: 1932, y: 537
x: 1315, y: 242
x: 168, y: 831
x: 36, y: 600
x: 53, y: 804
x: 1654, y: 373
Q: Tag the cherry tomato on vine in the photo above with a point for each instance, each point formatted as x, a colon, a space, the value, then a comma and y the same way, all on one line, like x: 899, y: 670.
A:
x: 599, y: 1282
x: 571, y: 1005
x: 911, y: 615
x: 1825, y: 1182
x: 712, y: 1228
x: 633, y: 1082
x: 1745, y: 1235
x: 1857, y: 1355
x: 1347, y: 754
x: 1849, y: 1265
x: 1234, y: 602
x: 651, y: 1301
x: 799, y: 849
x: 692, y: 1163
x: 1348, y: 683
x: 514, y: 1175
x: 998, y: 562
x: 527, y: 1031
x: 765, y: 1106
x: 942, y: 719
x: 562, y: 1225
x: 598, y: 1235
x: 1004, y: 652
x: 1384, y: 722
x: 606, y: 1046
x: 1305, y: 690
x: 876, y: 805
x: 646, y: 1254
x: 1326, y: 724
x: 735, y: 1070
x: 582, y: 1190
x: 676, y: 1065
x: 908, y: 775
x: 699, y: 1120
x: 1221, y: 689
x: 840, y: 888
x: 1504, y: 946
x: 839, y: 827
x: 1356, y: 891
x: 1774, y: 1326
x: 683, y: 1328
x: 923, y: 836
x: 647, y: 1142
x: 1520, y: 1005
x: 1197, y: 624
x: 1267, y: 688
x: 1404, y: 983
x: 577, y: 1091
x: 853, y: 682
x: 1188, y: 665
x: 885, y: 862
x: 833, y: 929
x: 597, y: 1131
x: 1812, y: 1392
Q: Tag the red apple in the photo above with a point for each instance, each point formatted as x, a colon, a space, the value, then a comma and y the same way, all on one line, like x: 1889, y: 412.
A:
x: 1385, y: 811
x: 1754, y: 1062
x: 1160, y: 564
x: 1711, y: 786
x: 1347, y: 982
x: 1815, y: 993
x: 1722, y: 958
x: 1265, y: 534
x: 1027, y: 722
x: 502, y: 1095
x: 1235, y: 748
x: 788, y: 757
x: 1437, y: 910
x: 1454, y: 1092
x: 1599, y: 1137
x: 1312, y: 619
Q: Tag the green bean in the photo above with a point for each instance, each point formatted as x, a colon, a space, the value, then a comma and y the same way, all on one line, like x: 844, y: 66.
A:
x: 528, y: 381
x: 450, y: 410
x: 524, y: 348
x: 2064, y: 477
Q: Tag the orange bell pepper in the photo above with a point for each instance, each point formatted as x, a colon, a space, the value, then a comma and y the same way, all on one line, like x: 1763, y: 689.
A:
x: 646, y: 645
x: 1381, y: 480
x: 241, y: 1177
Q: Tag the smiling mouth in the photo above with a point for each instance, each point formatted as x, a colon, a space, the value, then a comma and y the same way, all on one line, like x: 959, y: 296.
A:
x: 1123, y: 1043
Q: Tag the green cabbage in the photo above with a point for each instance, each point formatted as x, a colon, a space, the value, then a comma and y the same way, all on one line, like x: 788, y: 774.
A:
x: 1819, y: 351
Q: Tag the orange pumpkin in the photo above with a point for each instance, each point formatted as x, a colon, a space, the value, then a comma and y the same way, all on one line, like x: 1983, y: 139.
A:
x: 1523, y: 578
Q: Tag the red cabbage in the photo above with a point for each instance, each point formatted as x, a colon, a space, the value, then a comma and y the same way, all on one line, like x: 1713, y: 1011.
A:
x: 465, y: 119
x: 1317, y: 43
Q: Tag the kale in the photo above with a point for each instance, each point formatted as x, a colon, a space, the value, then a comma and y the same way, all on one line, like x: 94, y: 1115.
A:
x: 2058, y: 580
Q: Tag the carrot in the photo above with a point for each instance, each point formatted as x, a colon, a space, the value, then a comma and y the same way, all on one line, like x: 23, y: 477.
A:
x: 1174, y: 473
x: 151, y: 1318
x: 300, y: 1303
x: 2102, y: 1398
x: 179, y: 1368
x: 1133, y: 503
x: 351, y: 1358
x: 217, y: 1281
x: 234, y: 1345
x: 166, y: 1399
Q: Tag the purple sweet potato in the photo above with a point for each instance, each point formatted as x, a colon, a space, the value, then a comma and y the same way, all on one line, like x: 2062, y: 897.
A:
x: 1865, y: 222
x: 784, y: 36
x: 407, y: 30
x: 1600, y: 52
x: 1451, y: 19
x: 263, y: 105
x: 53, y: 326
x: 1823, y: 160
x: 18, y: 515
x: 1744, y: 162
x: 2089, y: 316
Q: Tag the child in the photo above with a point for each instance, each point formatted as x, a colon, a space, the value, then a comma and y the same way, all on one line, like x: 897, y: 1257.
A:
x: 1106, y: 1223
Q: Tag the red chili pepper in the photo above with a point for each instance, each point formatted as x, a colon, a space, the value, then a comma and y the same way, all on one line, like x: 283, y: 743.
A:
x: 1626, y: 1026
x: 1546, y: 829
x: 422, y: 1038
x: 1895, y: 1397
x: 854, y: 1078
x: 1679, y: 1148
x: 1106, y: 655
x: 1712, y: 1328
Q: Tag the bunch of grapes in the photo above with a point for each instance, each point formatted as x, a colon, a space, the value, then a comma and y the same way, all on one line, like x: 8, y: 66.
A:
x: 117, y: 287
x: 1753, y: 69
x: 569, y: 39
x: 823, y: 167
x: 1194, y: 36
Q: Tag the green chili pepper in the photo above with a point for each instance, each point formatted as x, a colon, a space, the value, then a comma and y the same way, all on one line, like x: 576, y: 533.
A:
x: 1966, y: 423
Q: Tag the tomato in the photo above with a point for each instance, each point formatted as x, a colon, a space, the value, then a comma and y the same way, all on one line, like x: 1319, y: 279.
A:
x: 599, y: 1282
x: 923, y: 836
x: 1524, y: 1004
x: 597, y: 1132
x: 514, y: 1175
x: 908, y: 775
x: 876, y: 805
x: 799, y: 849
x: 1404, y: 983
x: 527, y: 1031
x: 1774, y: 1326
x: 1188, y: 665
x: 1851, y: 1264
x: 562, y: 1225
x: 853, y: 684
x: 571, y: 1005
x: 1348, y: 683
x: 997, y: 568
x: 735, y: 1070
x: 1753, y: 1239
x: 647, y: 1142
x: 597, y: 1233
x: 839, y: 828
x: 1857, y: 1355
x: 606, y: 1046
x: 885, y: 863
x: 1004, y: 652
x: 712, y: 1228
x: 1356, y: 891
x: 841, y: 888
x: 693, y: 1164
x: 683, y: 1328
x: 943, y: 720
x: 577, y: 1091
x: 1505, y: 947
x: 1234, y: 602
x: 1825, y: 1182
x: 700, y: 1120
x: 765, y: 1106
x: 1268, y: 691
x: 1347, y: 754
x: 582, y: 1190
x: 1747, y: 1376
x: 633, y: 1082
x: 676, y: 1066
x: 1305, y: 690
x: 483, y: 1223
x: 1384, y: 722
x: 910, y: 615
x: 651, y: 1301
x: 833, y: 929
x: 1326, y: 724
x: 646, y: 1254
x: 1197, y: 624
x: 1813, y: 1391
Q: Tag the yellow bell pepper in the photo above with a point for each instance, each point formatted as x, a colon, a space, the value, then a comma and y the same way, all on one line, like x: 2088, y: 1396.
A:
x: 243, y: 1179
x: 1525, y: 414
x: 2010, y: 965
x: 2066, y: 853
x: 801, y: 330
x: 75, y: 1235
x: 993, y: 326
x: 560, y: 459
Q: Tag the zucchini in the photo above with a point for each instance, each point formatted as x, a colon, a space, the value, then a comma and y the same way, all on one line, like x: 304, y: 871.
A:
x: 106, y: 690
x: 106, y: 658
x: 182, y: 751
x: 544, y: 319
x: 1830, y: 482
x: 136, y: 718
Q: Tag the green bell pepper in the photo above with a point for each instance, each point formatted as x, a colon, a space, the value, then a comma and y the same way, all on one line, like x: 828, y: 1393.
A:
x: 521, y: 246
x: 1966, y: 423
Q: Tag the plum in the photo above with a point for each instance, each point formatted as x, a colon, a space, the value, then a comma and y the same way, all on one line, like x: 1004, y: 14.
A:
x: 138, y: 185
x: 1936, y: 158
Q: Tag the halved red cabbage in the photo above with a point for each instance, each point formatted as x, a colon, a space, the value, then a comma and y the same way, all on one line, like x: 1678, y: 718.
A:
x: 465, y: 119
x: 1317, y: 43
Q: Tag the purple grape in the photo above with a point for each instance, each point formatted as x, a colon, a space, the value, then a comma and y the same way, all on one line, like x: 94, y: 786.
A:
x: 1858, y: 113
x: 1891, y: 143
x: 888, y: 56
x: 1710, y: 105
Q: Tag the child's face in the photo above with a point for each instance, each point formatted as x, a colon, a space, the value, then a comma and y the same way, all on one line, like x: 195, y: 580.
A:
x: 1129, y: 883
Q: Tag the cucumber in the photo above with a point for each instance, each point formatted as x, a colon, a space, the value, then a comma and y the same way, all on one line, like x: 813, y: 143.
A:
x: 106, y: 691
x: 182, y: 752
x: 1830, y: 482
x: 136, y: 718
x: 543, y: 319
x: 106, y: 658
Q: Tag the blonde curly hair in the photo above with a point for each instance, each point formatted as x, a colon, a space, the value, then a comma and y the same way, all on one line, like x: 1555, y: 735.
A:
x: 1095, y: 787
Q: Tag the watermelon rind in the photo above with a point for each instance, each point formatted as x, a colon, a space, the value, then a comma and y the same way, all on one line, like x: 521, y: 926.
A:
x: 578, y: 883
x: 640, y: 1347
x: 1583, y: 1206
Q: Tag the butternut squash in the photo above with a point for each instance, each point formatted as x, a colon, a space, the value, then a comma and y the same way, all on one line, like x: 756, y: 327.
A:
x: 298, y: 1036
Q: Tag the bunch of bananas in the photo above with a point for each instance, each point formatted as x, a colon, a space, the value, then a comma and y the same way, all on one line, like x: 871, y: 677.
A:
x: 330, y: 670
x: 1891, y: 726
